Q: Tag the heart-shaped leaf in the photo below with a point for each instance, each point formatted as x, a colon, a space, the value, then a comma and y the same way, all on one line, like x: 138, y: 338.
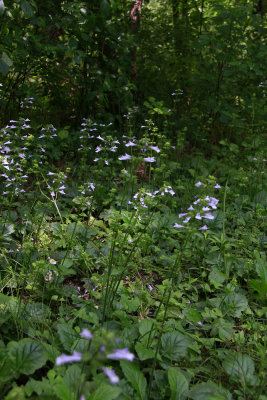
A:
x: 174, y: 345
x: 239, y: 366
x: 27, y: 356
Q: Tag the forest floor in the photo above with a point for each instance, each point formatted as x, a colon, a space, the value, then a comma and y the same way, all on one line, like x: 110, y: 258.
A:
x: 131, y: 269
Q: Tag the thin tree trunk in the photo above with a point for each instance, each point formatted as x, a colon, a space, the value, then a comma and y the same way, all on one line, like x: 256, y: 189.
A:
x: 135, y: 16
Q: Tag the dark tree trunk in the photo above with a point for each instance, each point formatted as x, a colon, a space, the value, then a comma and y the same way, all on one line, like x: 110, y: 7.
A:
x: 135, y: 16
x: 260, y: 7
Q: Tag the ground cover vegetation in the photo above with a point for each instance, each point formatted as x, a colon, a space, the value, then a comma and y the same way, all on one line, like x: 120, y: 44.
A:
x: 133, y: 224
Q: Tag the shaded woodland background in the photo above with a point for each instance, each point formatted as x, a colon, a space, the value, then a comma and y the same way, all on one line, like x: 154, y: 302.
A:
x: 197, y: 67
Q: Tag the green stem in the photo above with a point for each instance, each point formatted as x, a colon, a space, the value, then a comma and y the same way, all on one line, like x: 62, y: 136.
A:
x: 174, y: 271
x: 108, y: 277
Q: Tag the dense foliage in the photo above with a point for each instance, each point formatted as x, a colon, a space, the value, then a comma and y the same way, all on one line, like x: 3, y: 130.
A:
x: 133, y: 223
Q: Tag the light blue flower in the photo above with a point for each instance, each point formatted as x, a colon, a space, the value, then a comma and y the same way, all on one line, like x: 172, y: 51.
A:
x: 125, y: 157
x: 86, y: 334
x: 110, y: 373
x: 149, y: 159
x: 121, y: 354
x: 155, y: 148
x: 203, y: 228
x: 178, y: 225
x: 64, y: 358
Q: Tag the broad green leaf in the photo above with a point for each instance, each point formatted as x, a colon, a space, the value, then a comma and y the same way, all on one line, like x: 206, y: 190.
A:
x: 178, y: 384
x: 209, y: 391
x: 234, y: 304
x: 63, y: 391
x: 216, y: 275
x: 239, y: 366
x: 223, y: 328
x: 67, y: 336
x: 2, y: 348
x: 259, y: 286
x: 4, y: 299
x: 73, y: 376
x: 68, y: 262
x: 17, y: 393
x: 104, y: 8
x: 5, y: 364
x: 39, y: 387
x: 261, y: 267
x: 4, y: 68
x: 7, y: 229
x: 192, y: 315
x: 135, y: 377
x: 261, y: 197
x: 51, y: 351
x: 144, y: 328
x: 105, y: 392
x: 37, y: 311
x: 33, y: 386
x: 143, y: 352
x: 174, y: 345
x: 27, y: 9
x: 130, y: 304
x: 2, y: 7
x: 27, y: 355
x: 63, y: 134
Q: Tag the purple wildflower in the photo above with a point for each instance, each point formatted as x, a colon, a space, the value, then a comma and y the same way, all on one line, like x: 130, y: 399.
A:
x: 155, y: 148
x: 86, y: 334
x: 178, y: 225
x: 198, y: 184
x: 186, y: 220
x: 182, y: 215
x: 121, y: 354
x: 110, y: 373
x: 149, y: 159
x: 125, y: 157
x: 208, y: 216
x: 203, y: 228
x: 130, y: 144
x: 64, y: 358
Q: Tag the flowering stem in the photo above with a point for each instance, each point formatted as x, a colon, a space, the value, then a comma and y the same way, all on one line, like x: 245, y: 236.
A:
x: 56, y: 206
x: 68, y: 249
x: 117, y: 283
x: 224, y: 206
x: 54, y: 202
x: 174, y: 271
x: 108, y: 277
x: 7, y: 214
x: 87, y: 226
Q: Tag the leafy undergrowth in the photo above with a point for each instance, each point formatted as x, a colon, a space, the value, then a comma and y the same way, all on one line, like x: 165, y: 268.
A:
x: 131, y: 270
